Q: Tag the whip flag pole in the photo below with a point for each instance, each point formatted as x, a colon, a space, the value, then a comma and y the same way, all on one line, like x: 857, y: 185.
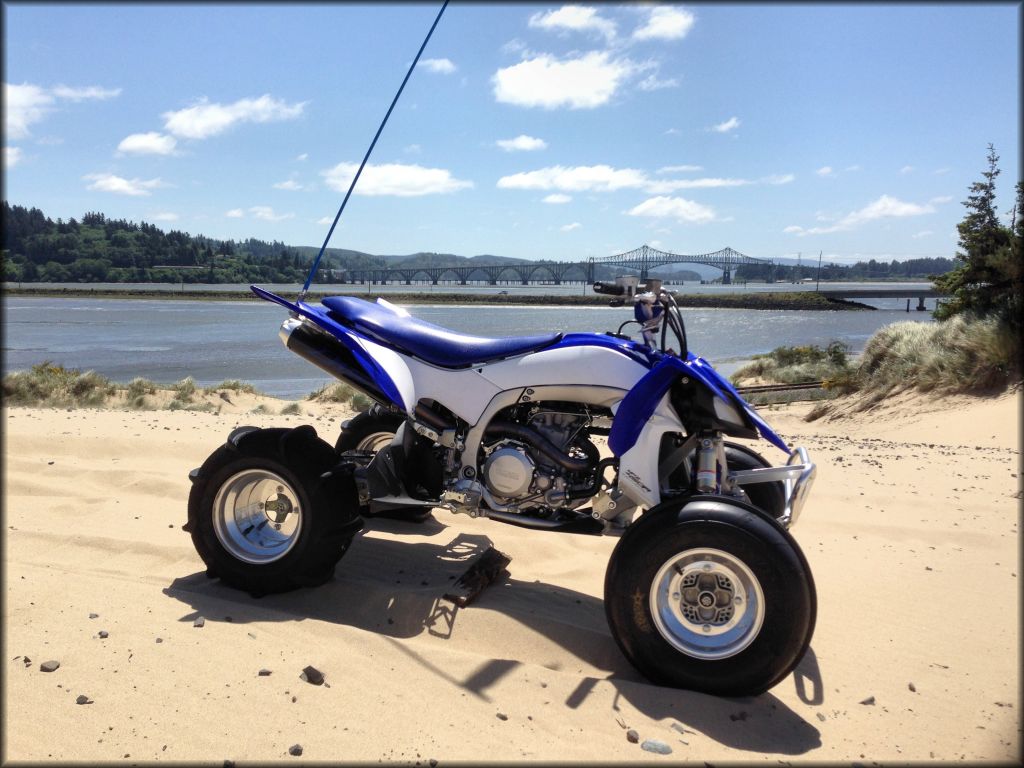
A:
x: 316, y: 262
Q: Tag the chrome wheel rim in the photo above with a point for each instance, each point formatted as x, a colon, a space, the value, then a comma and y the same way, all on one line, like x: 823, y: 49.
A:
x: 707, y: 603
x: 257, y: 516
x: 375, y: 441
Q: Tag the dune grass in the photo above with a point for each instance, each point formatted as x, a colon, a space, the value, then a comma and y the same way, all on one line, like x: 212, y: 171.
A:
x: 50, y: 384
x: 962, y: 354
x: 797, y: 365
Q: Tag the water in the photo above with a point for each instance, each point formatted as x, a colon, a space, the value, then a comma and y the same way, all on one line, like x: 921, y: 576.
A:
x: 167, y: 340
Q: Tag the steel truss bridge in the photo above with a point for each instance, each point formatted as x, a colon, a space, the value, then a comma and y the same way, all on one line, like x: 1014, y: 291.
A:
x: 641, y: 260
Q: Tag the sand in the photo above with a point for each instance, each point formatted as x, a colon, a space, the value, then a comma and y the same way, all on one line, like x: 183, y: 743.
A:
x: 912, y: 532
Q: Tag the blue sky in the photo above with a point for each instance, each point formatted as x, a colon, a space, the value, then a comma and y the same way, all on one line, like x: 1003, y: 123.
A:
x: 534, y: 131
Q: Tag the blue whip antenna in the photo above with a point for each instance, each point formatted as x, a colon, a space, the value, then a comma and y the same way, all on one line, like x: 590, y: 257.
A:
x: 316, y: 262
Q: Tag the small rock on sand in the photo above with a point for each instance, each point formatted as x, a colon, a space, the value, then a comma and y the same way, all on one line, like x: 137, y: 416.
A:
x: 104, y: 634
x: 295, y: 749
x: 502, y: 716
x: 199, y: 622
x: 870, y: 701
x: 312, y: 675
x: 658, y: 747
x: 912, y: 687
x: 49, y: 666
x: 264, y: 672
x: 83, y: 699
x: 632, y: 736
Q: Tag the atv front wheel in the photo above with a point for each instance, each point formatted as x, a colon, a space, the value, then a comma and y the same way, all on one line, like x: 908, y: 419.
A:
x: 271, y: 510
x: 710, y: 595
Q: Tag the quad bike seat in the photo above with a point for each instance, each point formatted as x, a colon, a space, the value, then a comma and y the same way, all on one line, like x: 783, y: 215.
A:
x: 429, y: 342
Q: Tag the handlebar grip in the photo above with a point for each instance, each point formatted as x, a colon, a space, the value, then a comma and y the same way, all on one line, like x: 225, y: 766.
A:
x: 610, y: 289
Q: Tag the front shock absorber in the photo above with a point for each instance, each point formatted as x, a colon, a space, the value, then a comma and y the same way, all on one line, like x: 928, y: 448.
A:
x: 708, y: 448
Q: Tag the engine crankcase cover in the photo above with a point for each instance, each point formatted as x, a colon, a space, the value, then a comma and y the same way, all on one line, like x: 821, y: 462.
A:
x: 508, y: 472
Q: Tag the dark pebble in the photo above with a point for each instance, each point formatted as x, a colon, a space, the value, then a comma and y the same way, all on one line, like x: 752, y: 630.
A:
x: 83, y: 699
x: 658, y: 747
x: 502, y: 716
x: 632, y: 736
x: 433, y: 763
x: 912, y: 688
x: 295, y: 749
x: 104, y: 634
x: 159, y: 639
x: 49, y: 666
x: 264, y: 672
x: 870, y: 700
x: 28, y: 662
x: 94, y: 615
x: 312, y: 675
x: 199, y: 622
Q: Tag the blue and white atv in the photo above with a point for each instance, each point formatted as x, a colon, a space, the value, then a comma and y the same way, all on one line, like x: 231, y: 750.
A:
x: 706, y: 589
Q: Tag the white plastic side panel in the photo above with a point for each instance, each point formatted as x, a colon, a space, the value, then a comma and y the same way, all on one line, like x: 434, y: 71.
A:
x: 395, y: 366
x: 464, y: 391
x: 569, y: 365
x: 638, y: 467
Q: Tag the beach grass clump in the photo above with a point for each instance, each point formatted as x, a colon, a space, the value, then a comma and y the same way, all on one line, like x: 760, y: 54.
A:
x: 233, y: 385
x: 292, y: 409
x: 48, y: 384
x: 333, y: 393
x: 139, y: 387
x: 962, y: 354
x: 260, y: 409
x: 797, y: 365
x: 184, y: 390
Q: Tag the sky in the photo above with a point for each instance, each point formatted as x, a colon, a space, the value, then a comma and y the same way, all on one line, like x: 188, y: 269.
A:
x: 533, y: 131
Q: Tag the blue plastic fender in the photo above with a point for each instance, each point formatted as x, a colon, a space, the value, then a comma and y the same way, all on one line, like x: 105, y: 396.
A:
x: 641, y: 401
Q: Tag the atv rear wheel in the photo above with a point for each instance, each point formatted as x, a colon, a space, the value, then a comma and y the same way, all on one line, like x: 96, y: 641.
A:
x: 272, y: 510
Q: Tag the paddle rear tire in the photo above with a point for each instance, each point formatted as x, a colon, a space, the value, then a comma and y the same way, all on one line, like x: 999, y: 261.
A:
x: 273, y: 510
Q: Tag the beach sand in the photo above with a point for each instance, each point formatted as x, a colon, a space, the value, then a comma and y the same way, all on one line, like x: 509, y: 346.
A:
x: 912, y: 532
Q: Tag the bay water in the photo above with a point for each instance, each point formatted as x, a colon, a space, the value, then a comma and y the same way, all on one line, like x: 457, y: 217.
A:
x: 167, y: 340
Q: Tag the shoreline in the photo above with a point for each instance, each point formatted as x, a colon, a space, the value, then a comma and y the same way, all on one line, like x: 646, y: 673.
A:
x: 768, y: 300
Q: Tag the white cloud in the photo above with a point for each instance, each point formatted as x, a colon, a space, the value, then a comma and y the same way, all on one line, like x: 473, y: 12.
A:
x: 922, y: 233
x: 941, y: 200
x: 604, y: 178
x: 674, y: 207
x: 413, y: 149
x: 204, y: 119
x: 885, y: 207
x: 440, y: 66
x: 26, y: 104
x: 825, y: 170
x: 108, y: 182
x: 784, y: 178
x: 394, y: 179
x: 906, y: 169
x: 665, y: 23
x: 941, y: 171
x: 652, y: 83
x: 303, y: 157
x: 290, y: 185
x: 570, y: 227
x: 326, y: 220
x: 12, y: 156
x: 89, y: 93
x: 558, y: 198
x: 266, y: 213
x: 574, y: 18
x: 679, y: 169
x: 522, y: 143
x: 673, y: 132
x: 235, y: 213
x: 151, y: 143
x: 583, y: 82
x: 165, y: 216
x: 852, y: 168
x: 730, y: 124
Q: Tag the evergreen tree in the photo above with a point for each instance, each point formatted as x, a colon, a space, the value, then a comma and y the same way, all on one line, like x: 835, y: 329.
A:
x: 987, y: 281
